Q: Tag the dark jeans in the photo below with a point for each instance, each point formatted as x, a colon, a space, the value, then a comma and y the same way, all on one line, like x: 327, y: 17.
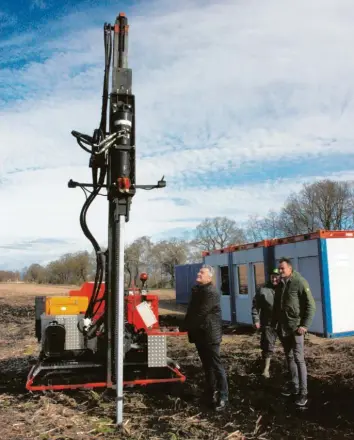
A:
x: 294, y: 352
x: 268, y: 339
x: 215, y: 376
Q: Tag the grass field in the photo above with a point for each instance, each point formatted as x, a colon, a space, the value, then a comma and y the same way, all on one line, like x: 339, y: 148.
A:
x: 256, y: 409
x: 22, y: 294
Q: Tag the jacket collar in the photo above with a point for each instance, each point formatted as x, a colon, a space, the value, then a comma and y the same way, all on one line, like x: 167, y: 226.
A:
x: 203, y: 286
x: 289, y: 279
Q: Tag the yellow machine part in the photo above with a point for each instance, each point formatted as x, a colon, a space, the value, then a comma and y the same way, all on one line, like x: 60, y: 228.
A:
x: 66, y: 305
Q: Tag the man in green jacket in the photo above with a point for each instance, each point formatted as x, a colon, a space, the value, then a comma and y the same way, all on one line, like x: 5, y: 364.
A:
x: 262, y: 309
x: 293, y: 312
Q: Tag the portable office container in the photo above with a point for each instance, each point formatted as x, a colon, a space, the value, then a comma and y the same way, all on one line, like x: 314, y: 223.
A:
x: 324, y: 258
x: 239, y: 270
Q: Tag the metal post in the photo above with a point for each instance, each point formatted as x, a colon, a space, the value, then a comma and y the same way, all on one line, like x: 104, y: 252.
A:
x: 119, y: 298
x: 109, y: 299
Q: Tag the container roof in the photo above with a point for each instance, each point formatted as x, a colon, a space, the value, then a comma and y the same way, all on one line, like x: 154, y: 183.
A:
x: 276, y: 241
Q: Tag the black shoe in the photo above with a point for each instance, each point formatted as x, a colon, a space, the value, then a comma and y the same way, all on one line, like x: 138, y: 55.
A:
x: 301, y: 400
x: 289, y: 390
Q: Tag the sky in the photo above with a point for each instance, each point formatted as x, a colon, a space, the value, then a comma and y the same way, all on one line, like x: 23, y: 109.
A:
x: 238, y: 103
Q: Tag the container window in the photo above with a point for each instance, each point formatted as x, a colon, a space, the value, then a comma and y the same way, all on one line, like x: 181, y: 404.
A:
x: 214, y: 276
x: 242, y: 279
x: 224, y: 280
x: 259, y: 278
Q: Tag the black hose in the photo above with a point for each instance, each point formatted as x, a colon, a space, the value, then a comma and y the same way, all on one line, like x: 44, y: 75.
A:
x: 84, y: 140
x: 99, y: 257
x: 108, y: 56
x: 91, y: 311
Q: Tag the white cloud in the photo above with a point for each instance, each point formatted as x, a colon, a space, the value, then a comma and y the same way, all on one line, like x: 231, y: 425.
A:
x: 219, y: 85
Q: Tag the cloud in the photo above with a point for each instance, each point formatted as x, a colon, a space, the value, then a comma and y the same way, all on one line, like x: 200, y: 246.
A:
x: 18, y: 254
x: 234, y: 101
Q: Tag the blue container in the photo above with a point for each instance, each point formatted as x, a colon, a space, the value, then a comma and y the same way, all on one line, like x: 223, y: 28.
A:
x: 185, y: 276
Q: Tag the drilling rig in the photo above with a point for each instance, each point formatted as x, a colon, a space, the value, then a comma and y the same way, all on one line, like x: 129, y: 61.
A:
x: 103, y: 335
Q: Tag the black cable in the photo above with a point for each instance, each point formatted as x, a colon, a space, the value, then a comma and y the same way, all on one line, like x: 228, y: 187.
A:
x: 79, y: 141
x: 99, y: 262
x: 84, y: 140
x: 102, y: 132
x: 84, y: 191
x: 108, y: 56
x: 90, y: 192
x: 102, y: 129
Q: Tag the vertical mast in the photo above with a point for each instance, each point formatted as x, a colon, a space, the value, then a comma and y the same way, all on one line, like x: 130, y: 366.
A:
x: 121, y: 178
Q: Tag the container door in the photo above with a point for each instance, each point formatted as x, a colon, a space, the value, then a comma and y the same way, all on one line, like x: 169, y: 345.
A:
x: 224, y: 289
x: 309, y: 268
x: 258, y: 277
x: 243, y: 293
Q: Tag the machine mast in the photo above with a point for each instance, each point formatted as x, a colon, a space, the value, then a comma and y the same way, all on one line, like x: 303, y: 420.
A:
x: 121, y: 184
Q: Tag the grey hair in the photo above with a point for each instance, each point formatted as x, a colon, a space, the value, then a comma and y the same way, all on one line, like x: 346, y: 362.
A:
x: 210, y: 269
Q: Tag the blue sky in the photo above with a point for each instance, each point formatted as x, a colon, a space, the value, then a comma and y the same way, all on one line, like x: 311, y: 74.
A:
x: 238, y: 104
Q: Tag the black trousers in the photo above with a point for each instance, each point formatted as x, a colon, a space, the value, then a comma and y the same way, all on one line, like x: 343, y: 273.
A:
x: 215, y: 375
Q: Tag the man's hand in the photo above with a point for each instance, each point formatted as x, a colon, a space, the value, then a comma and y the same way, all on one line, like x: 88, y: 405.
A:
x: 301, y: 330
x: 257, y: 325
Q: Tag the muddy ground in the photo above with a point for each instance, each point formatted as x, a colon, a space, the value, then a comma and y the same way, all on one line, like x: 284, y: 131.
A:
x: 256, y: 411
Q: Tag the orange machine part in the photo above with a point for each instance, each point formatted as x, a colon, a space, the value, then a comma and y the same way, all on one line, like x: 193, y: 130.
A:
x: 64, y: 305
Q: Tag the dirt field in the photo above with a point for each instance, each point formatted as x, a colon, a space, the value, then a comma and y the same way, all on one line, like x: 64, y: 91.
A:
x: 256, y: 412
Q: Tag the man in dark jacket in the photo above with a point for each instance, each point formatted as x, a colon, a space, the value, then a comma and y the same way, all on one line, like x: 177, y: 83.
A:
x: 204, y: 325
x: 262, y: 309
x: 293, y: 312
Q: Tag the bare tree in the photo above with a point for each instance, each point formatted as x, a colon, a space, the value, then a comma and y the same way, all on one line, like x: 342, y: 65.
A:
x: 169, y: 253
x: 9, y: 276
x: 259, y: 229
x: 254, y: 228
x: 324, y: 204
x: 194, y: 254
x: 218, y: 232
x: 75, y: 268
x: 137, y: 257
x: 35, y: 274
x: 271, y: 225
x: 79, y: 265
x: 333, y: 203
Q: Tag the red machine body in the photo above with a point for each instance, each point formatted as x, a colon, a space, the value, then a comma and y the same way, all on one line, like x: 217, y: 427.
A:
x: 132, y: 314
x: 132, y: 300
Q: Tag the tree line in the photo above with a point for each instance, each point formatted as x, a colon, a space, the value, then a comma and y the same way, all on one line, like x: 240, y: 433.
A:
x: 9, y: 276
x: 325, y: 204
